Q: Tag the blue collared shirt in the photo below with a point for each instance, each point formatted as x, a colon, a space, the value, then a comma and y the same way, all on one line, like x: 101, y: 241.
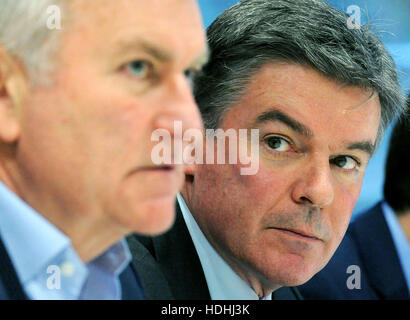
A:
x: 45, y: 261
x: 223, y: 282
x: 400, y: 241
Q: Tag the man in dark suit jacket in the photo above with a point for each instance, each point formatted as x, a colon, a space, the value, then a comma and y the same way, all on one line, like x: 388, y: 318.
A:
x: 272, y: 219
x: 368, y: 244
x: 376, y: 245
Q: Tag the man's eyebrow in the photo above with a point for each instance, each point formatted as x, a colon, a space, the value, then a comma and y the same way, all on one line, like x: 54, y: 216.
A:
x: 157, y: 52
x: 365, y: 146
x: 160, y: 54
x: 276, y: 115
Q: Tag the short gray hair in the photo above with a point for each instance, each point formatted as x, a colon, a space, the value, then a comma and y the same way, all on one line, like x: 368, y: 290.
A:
x: 24, y: 33
x: 308, y: 32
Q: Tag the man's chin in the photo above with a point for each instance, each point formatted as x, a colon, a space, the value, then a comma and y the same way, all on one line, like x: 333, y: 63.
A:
x: 291, y: 271
x: 298, y: 277
x: 153, y: 217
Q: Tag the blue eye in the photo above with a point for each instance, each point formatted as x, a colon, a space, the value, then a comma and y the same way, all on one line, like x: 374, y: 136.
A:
x: 190, y: 75
x: 345, y: 162
x: 277, y: 143
x: 139, y: 68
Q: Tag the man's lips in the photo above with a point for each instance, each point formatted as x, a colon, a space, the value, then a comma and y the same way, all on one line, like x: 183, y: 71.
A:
x: 164, y: 169
x: 155, y: 168
x: 300, y: 233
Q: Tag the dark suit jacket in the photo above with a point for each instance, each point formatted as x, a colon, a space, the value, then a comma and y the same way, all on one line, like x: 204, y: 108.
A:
x: 11, y: 289
x: 369, y: 245
x: 170, y: 268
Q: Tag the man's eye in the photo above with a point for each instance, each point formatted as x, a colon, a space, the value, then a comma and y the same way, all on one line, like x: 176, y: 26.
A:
x: 345, y: 162
x: 190, y: 75
x: 139, y: 68
x: 277, y: 143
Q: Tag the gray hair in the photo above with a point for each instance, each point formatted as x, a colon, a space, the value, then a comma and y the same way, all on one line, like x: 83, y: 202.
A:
x: 308, y: 32
x: 25, y: 34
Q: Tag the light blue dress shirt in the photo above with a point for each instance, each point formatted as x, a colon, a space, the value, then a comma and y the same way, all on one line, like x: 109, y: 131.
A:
x: 399, y: 239
x: 45, y: 261
x: 223, y: 282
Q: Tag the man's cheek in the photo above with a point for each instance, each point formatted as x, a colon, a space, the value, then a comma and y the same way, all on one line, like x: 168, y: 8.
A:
x: 264, y: 185
x: 340, y: 216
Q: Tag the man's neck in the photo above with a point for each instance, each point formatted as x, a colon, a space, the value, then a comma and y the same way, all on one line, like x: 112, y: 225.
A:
x: 262, y: 288
x: 90, y: 235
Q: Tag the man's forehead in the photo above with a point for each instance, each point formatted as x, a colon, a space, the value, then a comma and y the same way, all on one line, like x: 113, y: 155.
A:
x: 154, y: 47
x: 125, y: 26
x: 295, y: 87
x: 157, y: 15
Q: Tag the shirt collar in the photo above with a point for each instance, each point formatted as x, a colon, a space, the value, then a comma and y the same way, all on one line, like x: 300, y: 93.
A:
x: 114, y: 260
x: 34, y: 244
x: 399, y: 239
x: 223, y: 282
x: 30, y: 239
x: 103, y: 280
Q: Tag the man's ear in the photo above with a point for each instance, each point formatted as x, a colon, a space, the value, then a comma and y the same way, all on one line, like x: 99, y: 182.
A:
x: 13, y: 88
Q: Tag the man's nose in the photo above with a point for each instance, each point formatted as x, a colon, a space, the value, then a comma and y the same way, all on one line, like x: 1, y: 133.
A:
x: 178, y: 105
x: 314, y: 185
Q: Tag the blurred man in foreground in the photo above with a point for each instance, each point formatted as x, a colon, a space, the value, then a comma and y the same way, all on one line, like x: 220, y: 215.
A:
x: 77, y: 110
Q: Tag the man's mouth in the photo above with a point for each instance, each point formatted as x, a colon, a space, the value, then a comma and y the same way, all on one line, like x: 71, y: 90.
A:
x: 307, y: 235
x: 163, y: 167
x: 157, y: 168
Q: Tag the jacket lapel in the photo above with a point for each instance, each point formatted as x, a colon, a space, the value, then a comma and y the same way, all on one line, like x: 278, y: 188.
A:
x: 168, y: 264
x: 287, y: 293
x: 131, y: 285
x: 180, y: 263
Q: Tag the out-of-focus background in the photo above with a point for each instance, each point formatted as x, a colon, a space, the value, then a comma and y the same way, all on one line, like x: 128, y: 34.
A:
x: 391, y: 21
